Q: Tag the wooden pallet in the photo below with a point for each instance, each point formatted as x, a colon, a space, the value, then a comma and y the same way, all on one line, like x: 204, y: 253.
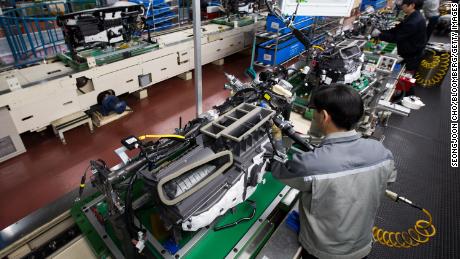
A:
x: 99, y: 120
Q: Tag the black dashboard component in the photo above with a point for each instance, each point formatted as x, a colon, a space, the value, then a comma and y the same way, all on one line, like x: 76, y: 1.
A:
x: 101, y: 26
x: 218, y: 164
x: 339, y: 63
x: 216, y: 174
x: 130, y: 142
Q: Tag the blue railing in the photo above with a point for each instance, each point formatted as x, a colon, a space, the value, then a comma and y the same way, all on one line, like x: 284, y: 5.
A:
x: 31, y: 29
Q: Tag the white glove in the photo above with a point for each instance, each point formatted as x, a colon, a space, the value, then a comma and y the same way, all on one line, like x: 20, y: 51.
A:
x: 375, y: 33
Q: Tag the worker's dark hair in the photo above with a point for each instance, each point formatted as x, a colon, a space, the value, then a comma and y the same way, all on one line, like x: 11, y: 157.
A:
x: 342, y: 102
x: 418, y: 3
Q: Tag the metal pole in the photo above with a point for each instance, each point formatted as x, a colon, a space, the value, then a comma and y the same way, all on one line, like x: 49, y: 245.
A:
x: 197, y: 54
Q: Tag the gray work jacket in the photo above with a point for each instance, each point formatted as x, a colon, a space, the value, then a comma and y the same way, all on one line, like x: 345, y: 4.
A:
x: 431, y: 8
x: 341, y: 184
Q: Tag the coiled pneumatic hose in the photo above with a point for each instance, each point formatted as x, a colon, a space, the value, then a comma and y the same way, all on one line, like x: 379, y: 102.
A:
x: 421, y: 233
x: 438, y: 62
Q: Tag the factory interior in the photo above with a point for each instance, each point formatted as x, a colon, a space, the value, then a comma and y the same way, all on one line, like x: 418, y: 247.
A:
x: 196, y: 129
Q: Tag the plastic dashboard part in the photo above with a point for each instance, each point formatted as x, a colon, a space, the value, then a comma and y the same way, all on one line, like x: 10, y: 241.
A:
x: 166, y: 200
x: 220, y: 171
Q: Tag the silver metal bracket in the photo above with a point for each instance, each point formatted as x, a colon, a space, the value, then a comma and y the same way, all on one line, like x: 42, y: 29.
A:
x: 121, y: 153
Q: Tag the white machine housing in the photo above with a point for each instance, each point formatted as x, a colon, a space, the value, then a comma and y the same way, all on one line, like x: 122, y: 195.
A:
x: 339, y: 8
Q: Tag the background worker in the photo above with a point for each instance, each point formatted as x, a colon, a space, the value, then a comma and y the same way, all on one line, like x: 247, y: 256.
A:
x: 431, y: 12
x: 341, y: 182
x: 409, y: 35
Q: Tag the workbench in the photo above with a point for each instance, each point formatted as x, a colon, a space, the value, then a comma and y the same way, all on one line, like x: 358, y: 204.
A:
x: 69, y: 122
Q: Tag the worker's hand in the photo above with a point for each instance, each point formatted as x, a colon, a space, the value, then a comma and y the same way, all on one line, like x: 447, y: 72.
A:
x: 276, y: 133
x: 277, y: 163
x: 375, y: 33
x: 279, y: 157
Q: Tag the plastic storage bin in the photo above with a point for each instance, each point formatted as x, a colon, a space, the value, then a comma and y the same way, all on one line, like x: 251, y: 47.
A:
x: 288, y: 47
x: 274, y: 24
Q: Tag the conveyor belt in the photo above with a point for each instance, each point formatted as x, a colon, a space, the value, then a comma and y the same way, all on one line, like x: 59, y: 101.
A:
x: 420, y: 144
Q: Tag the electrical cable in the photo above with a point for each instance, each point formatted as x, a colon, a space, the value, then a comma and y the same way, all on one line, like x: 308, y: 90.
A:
x: 296, y: 32
x: 161, y: 136
x: 318, y: 47
x: 129, y: 220
x: 82, y: 183
x: 251, y: 216
x: 294, y: 15
x: 98, y: 165
x: 421, y: 233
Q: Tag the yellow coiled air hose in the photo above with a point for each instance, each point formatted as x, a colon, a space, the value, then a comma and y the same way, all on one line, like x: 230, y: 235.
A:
x: 421, y: 233
x: 438, y: 62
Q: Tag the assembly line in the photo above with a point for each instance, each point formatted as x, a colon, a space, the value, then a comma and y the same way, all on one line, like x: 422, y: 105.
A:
x: 291, y: 162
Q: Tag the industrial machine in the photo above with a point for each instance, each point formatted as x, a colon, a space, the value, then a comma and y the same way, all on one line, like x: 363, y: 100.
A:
x: 340, y: 64
x: 181, y: 195
x: 371, y: 19
x: 238, y: 7
x: 108, y: 102
x: 208, y: 167
x: 101, y: 26
x: 172, y: 195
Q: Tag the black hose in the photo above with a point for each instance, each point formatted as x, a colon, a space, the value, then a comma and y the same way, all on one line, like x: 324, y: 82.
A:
x: 251, y: 216
x: 132, y: 229
x: 143, y: 159
x: 270, y: 10
x: 301, y: 37
x: 82, y: 183
x: 289, y: 131
x: 296, y: 32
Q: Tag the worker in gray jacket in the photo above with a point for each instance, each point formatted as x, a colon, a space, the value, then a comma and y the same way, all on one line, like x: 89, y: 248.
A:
x: 431, y: 12
x: 341, y: 182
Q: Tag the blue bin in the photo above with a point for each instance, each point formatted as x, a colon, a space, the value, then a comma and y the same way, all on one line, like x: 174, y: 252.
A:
x: 146, y: 3
x: 158, y: 10
x: 288, y: 47
x: 274, y: 24
x: 167, y: 16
